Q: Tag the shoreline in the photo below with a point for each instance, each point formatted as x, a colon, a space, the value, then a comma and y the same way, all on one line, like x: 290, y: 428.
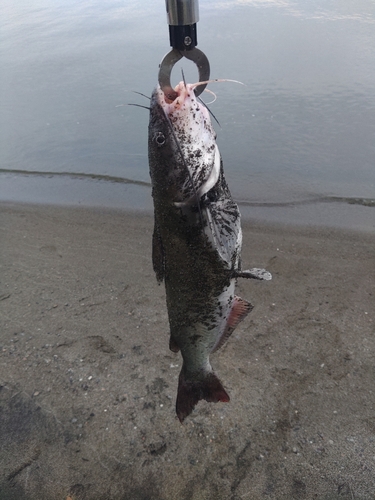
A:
x: 321, y: 210
x: 246, y: 219
x: 88, y: 384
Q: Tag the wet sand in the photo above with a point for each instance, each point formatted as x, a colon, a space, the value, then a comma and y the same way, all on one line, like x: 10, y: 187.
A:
x: 88, y: 385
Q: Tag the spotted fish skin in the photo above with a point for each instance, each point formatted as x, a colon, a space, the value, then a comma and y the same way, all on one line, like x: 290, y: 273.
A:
x: 196, y: 242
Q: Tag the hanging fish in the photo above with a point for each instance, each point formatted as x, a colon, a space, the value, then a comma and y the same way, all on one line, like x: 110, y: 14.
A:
x: 196, y: 242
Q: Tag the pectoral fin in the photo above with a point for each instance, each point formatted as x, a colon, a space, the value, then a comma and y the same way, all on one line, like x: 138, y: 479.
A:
x: 240, y: 309
x: 173, y: 345
x: 254, y: 273
x: 158, y: 254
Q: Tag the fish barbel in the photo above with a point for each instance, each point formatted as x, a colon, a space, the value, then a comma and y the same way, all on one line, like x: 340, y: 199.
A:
x: 196, y: 242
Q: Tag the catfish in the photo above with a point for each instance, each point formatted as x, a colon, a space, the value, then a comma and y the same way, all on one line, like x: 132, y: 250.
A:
x: 197, y: 238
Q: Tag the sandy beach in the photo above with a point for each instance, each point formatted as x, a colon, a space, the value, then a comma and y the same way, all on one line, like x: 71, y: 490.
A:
x: 88, y: 384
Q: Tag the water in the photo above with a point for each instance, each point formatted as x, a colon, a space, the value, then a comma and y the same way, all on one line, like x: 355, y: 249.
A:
x: 298, y: 140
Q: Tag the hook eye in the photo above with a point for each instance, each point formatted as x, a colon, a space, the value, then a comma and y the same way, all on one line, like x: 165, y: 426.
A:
x: 166, y: 66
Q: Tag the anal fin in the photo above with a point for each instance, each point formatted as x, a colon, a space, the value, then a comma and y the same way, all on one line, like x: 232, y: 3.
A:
x: 240, y: 309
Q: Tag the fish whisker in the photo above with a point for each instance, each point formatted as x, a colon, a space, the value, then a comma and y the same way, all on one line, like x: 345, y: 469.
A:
x: 139, y: 106
x: 183, y: 77
x: 140, y: 93
x: 212, y: 93
x: 214, y: 81
x: 208, y: 109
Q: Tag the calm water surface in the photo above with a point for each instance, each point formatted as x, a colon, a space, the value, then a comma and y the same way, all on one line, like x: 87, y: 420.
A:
x: 297, y: 140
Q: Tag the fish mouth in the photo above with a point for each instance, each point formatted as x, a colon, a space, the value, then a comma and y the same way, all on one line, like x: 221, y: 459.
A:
x: 170, y: 94
x: 181, y: 99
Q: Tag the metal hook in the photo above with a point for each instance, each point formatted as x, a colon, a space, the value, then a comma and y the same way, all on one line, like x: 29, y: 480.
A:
x: 166, y: 66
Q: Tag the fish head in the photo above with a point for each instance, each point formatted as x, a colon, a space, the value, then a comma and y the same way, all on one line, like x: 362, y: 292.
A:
x: 184, y: 158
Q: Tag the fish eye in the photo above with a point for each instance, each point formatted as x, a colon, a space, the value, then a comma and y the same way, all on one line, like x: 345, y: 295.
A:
x: 159, y: 138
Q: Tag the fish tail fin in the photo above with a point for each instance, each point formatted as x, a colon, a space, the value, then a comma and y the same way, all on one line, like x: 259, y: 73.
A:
x: 191, y: 391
